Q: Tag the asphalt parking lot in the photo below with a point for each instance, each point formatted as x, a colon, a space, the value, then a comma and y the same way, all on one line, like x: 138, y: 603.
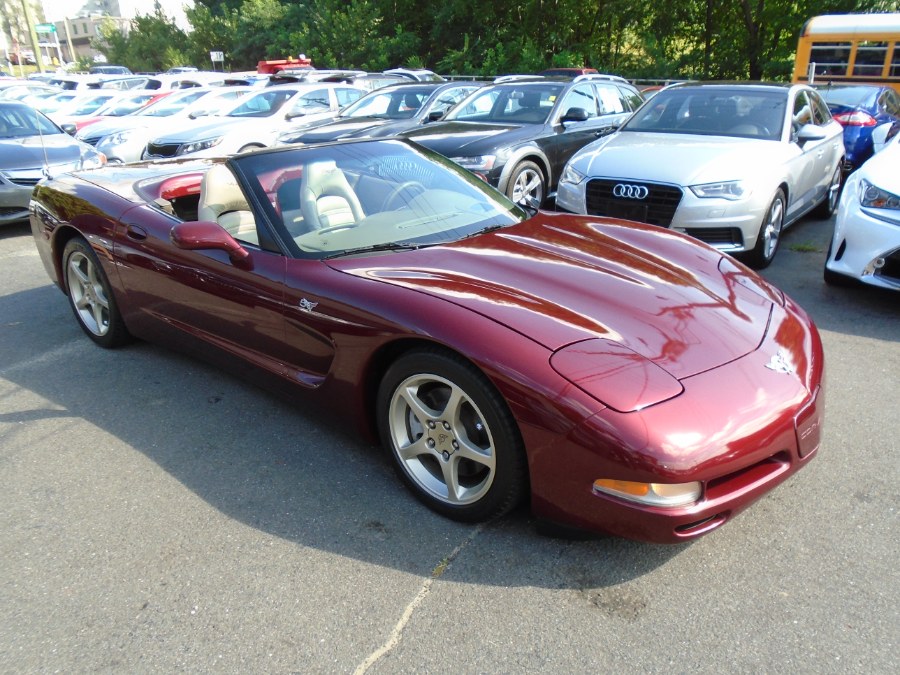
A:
x: 159, y: 515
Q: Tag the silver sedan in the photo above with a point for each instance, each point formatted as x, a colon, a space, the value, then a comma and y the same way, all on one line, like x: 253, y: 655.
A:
x: 729, y: 164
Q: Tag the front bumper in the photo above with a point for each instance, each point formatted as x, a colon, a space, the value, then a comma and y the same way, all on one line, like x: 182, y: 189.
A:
x: 866, y: 242
x: 739, y: 430
x: 14, y: 201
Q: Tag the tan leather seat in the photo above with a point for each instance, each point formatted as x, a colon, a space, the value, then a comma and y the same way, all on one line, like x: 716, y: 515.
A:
x: 222, y: 201
x: 326, y: 197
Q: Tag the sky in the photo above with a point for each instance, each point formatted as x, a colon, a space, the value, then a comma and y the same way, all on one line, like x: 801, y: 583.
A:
x: 57, y: 10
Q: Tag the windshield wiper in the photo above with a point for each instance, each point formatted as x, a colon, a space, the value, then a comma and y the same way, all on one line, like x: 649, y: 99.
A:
x: 389, y: 246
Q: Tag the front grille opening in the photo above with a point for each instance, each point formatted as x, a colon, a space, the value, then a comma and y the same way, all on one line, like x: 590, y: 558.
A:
x: 749, y: 477
x: 656, y: 207
x: 841, y: 249
x: 722, y: 236
x: 891, y: 267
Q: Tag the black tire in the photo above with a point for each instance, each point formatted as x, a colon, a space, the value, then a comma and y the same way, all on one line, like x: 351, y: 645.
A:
x: 91, y: 297
x: 527, y: 185
x: 769, y: 236
x: 444, y: 425
x: 828, y: 206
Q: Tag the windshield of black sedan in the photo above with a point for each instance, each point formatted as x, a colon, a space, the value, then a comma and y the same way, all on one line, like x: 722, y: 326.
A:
x: 356, y: 197
x: 519, y: 103
x: 713, y: 111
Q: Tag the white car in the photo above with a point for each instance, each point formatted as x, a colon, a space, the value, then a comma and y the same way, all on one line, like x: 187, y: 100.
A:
x: 866, y: 242
x: 254, y: 122
x: 729, y: 164
x: 123, y: 139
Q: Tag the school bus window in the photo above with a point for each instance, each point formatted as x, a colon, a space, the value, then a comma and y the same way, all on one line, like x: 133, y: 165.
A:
x: 869, y: 59
x: 895, y: 62
x: 831, y: 58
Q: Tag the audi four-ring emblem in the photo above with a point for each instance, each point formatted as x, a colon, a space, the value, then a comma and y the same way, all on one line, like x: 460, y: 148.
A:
x: 627, y: 191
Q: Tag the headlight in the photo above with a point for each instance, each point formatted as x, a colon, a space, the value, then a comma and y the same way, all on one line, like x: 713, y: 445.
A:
x: 197, y: 146
x: 477, y: 163
x: 116, y: 139
x: 570, y: 175
x: 651, y: 494
x: 731, y: 190
x: 876, y: 198
x: 93, y: 160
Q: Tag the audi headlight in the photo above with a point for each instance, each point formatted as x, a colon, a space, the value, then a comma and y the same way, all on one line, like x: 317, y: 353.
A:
x: 874, y: 197
x: 571, y: 175
x: 197, y: 146
x: 477, y: 163
x: 731, y: 190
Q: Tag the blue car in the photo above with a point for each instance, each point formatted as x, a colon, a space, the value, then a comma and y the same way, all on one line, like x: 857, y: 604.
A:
x: 859, y: 109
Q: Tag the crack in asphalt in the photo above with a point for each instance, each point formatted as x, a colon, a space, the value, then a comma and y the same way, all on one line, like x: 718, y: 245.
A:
x: 436, y: 573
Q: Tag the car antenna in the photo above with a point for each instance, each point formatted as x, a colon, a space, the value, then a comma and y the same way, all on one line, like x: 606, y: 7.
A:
x: 46, y: 168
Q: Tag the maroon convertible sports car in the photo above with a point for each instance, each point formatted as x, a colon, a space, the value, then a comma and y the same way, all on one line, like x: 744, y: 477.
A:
x: 624, y: 378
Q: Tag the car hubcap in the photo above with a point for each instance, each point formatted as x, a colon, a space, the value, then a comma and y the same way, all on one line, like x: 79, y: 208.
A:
x: 528, y: 188
x: 87, y: 294
x: 773, y: 228
x: 442, y: 440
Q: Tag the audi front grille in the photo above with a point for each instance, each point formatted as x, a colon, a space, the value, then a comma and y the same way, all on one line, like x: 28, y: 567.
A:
x: 650, y: 203
x: 163, y: 150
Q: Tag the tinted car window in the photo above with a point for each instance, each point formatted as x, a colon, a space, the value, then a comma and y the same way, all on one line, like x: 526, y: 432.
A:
x: 632, y: 96
x: 346, y: 96
x: 611, y: 101
x: 822, y: 114
x: 521, y: 104
x: 583, y: 97
x: 802, y: 112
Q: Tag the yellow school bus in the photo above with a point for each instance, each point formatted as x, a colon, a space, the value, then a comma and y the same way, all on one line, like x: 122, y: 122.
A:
x: 851, y: 49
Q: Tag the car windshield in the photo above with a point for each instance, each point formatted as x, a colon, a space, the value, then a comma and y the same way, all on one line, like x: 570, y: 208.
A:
x: 125, y: 106
x: 521, y: 103
x: 713, y: 111
x: 19, y: 121
x: 361, y: 197
x: 849, y: 96
x: 397, y: 104
x: 264, y: 104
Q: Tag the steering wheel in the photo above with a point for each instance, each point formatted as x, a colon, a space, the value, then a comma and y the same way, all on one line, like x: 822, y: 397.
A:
x: 407, y: 190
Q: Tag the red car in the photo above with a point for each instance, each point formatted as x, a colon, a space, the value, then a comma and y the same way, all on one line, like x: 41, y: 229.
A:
x: 623, y: 378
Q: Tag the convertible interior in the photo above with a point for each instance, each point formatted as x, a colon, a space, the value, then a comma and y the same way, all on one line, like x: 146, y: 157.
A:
x: 328, y: 206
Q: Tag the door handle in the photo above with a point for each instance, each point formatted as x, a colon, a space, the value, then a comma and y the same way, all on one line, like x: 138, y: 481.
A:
x: 137, y: 233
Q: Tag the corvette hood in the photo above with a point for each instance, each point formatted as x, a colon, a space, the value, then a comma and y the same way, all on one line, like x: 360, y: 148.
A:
x: 561, y: 279
x: 459, y: 139
x: 681, y: 159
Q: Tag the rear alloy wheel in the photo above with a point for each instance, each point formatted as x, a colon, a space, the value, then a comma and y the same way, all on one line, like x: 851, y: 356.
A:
x: 451, y: 436
x: 828, y: 205
x: 526, y: 185
x: 90, y: 296
x: 769, y: 234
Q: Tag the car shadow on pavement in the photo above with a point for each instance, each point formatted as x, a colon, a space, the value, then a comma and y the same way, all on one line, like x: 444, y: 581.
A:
x: 266, y: 463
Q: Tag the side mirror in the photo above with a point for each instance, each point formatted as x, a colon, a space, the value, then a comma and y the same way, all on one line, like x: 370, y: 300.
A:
x: 435, y: 115
x: 207, y: 235
x: 575, y: 115
x: 809, y: 132
x: 69, y: 128
x: 884, y: 133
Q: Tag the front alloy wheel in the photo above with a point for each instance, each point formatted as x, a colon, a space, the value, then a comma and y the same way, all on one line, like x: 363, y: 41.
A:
x: 769, y: 233
x: 451, y: 436
x: 90, y: 295
x: 526, y: 185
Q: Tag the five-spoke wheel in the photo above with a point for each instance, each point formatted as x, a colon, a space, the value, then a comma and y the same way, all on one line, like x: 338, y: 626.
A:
x: 451, y: 436
x: 90, y: 295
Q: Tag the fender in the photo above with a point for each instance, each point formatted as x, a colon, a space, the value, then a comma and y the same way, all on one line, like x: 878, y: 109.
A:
x: 530, y: 152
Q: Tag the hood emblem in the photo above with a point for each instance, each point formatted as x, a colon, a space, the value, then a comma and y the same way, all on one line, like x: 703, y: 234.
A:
x: 780, y: 364
x: 307, y: 305
x: 628, y: 191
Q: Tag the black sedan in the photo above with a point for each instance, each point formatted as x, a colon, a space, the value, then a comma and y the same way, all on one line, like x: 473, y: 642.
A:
x: 384, y: 112
x: 518, y: 133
